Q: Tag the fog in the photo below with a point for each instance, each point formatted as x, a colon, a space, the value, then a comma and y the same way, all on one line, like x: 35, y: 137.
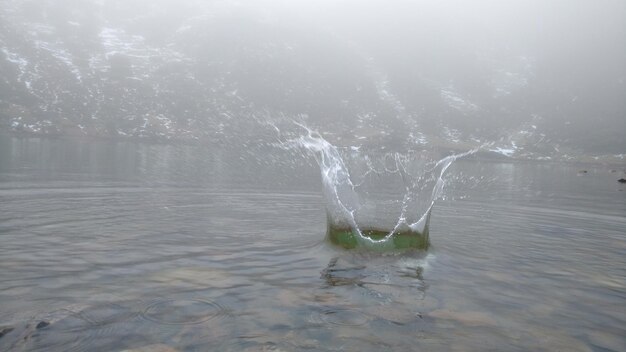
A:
x: 544, y: 79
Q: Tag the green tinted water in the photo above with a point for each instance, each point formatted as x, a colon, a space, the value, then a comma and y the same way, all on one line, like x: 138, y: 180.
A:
x: 349, y: 238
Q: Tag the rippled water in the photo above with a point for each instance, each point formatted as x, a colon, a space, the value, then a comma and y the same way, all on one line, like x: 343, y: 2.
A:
x: 122, y: 246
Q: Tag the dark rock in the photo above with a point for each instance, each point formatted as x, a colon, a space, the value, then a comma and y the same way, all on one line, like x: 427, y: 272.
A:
x: 4, y: 331
x: 621, y: 180
x: 42, y: 324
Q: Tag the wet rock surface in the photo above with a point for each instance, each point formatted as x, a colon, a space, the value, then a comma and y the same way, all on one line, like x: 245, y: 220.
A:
x: 5, y: 330
x: 152, y: 348
x: 42, y: 324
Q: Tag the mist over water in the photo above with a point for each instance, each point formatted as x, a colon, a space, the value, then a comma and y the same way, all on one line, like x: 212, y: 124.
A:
x: 541, y: 80
x: 289, y: 175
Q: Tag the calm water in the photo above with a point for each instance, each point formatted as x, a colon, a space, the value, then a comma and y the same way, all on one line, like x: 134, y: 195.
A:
x: 127, y: 246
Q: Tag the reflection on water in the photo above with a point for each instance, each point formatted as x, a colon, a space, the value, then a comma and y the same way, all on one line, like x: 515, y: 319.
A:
x: 122, y: 246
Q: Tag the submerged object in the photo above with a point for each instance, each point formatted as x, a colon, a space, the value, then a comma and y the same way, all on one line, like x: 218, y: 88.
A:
x: 621, y: 180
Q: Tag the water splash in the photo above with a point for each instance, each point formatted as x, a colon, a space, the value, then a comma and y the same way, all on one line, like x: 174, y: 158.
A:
x: 422, y: 179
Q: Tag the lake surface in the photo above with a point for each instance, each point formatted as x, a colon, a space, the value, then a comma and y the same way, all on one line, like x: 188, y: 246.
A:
x: 120, y: 246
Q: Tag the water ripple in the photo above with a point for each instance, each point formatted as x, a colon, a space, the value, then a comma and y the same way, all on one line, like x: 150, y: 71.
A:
x: 183, y: 312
